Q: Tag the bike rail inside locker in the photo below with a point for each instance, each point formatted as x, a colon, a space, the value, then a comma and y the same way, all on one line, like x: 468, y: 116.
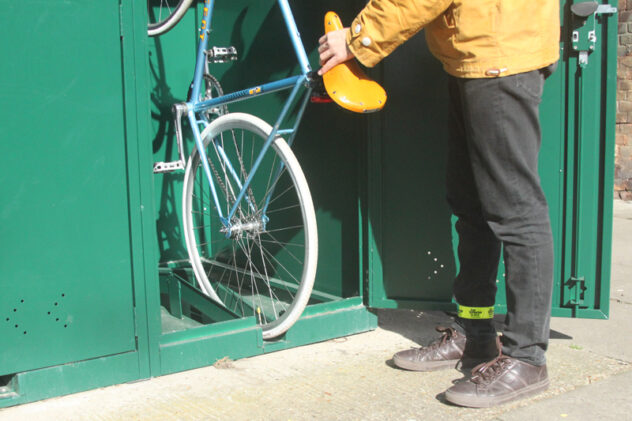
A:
x: 195, y: 106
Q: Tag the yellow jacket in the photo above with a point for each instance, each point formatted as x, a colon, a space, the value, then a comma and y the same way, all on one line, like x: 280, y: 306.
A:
x: 472, y: 38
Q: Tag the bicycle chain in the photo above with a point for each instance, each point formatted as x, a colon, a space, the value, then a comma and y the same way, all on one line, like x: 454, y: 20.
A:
x: 223, y: 109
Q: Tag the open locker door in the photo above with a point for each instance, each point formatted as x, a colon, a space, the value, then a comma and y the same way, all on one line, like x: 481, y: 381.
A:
x: 410, y: 258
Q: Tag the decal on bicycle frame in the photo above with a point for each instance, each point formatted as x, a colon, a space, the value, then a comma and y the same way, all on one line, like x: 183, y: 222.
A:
x: 203, y: 28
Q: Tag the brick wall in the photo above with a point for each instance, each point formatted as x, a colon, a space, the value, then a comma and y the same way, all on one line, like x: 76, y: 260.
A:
x: 623, y: 147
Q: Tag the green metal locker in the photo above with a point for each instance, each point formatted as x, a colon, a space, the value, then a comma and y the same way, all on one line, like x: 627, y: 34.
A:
x: 72, y: 227
x: 412, y: 243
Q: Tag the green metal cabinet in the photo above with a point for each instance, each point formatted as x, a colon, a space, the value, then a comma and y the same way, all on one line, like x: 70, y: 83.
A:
x: 71, y: 225
x: 412, y: 243
x: 191, y: 325
x: 95, y: 288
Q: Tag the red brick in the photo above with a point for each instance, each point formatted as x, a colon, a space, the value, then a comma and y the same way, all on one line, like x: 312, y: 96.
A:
x: 624, y: 106
x: 624, y: 70
x: 625, y: 61
x: 624, y: 85
x: 622, y: 140
x: 625, y: 16
x: 624, y: 129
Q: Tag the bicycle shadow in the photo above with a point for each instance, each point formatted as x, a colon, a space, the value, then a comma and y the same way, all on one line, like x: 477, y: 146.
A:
x: 168, y: 226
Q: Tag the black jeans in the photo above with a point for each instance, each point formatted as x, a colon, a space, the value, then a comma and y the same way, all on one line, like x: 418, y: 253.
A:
x: 494, y: 189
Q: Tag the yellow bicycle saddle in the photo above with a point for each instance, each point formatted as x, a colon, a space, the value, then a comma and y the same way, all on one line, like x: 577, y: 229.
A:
x: 348, y: 85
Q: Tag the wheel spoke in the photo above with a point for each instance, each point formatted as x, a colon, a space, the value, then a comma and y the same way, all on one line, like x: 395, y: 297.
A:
x: 258, y: 267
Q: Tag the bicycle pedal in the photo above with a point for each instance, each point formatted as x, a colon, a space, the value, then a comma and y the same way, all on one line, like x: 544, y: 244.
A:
x: 222, y: 54
x: 166, y: 167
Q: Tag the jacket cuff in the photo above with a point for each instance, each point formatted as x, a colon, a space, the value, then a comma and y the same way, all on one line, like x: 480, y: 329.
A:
x: 361, y: 45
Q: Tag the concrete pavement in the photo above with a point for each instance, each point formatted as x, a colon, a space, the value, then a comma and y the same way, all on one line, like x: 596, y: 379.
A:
x: 352, y: 378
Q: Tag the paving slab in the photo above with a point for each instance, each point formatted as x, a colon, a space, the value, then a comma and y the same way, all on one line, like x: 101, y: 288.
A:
x: 602, y: 400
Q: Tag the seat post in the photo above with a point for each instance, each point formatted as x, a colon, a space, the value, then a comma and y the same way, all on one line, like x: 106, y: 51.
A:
x: 295, y: 36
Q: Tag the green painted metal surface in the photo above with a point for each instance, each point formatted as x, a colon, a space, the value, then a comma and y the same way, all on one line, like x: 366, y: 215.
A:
x: 591, y: 95
x: 241, y: 338
x: 70, y: 378
x: 65, y: 224
x: 73, y: 228
x: 411, y: 248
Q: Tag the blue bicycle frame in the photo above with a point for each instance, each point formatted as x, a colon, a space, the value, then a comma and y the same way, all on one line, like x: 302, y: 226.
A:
x: 195, y: 106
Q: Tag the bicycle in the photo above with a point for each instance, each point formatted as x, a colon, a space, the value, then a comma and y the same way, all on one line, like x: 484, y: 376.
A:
x: 249, y: 221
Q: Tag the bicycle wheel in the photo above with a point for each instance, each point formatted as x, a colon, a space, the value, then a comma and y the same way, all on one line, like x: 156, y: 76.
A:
x: 164, y: 14
x: 264, y: 263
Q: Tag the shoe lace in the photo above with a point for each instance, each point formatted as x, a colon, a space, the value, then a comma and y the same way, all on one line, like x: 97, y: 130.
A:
x: 486, y: 372
x: 448, y: 334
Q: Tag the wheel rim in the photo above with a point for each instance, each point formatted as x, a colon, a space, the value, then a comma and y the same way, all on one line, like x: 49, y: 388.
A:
x: 164, y: 14
x: 263, y: 264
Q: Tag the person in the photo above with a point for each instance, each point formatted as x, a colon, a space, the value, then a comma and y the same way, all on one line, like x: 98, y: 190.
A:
x: 497, y: 54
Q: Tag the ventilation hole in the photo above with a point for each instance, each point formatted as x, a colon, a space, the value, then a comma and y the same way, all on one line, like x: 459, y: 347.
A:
x: 49, y: 313
x: 55, y: 303
x: 65, y: 325
x: 7, y: 319
x: 15, y: 309
x: 25, y: 332
x: 63, y: 295
x: 16, y: 326
x: 57, y: 319
x: 21, y: 301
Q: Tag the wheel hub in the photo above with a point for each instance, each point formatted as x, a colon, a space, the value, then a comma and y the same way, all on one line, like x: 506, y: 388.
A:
x: 239, y: 228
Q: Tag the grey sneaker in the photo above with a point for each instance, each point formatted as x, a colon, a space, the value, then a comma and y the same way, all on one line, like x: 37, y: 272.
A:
x: 449, y: 351
x: 499, y: 381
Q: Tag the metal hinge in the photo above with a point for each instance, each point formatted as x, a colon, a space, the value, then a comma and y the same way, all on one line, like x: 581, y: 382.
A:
x: 178, y: 110
x: 605, y: 9
x: 584, y: 35
x: 576, y: 287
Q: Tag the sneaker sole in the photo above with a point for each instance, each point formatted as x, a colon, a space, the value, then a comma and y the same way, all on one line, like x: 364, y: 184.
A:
x: 424, y: 366
x: 487, y: 402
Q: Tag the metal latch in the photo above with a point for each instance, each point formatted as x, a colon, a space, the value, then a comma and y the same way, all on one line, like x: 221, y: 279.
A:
x: 178, y: 111
x: 221, y: 54
x: 584, y: 35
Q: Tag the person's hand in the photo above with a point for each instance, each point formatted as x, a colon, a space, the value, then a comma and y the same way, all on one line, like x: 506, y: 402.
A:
x: 333, y: 50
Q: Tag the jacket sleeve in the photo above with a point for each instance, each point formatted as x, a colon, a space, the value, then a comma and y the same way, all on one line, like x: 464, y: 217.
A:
x: 383, y: 25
